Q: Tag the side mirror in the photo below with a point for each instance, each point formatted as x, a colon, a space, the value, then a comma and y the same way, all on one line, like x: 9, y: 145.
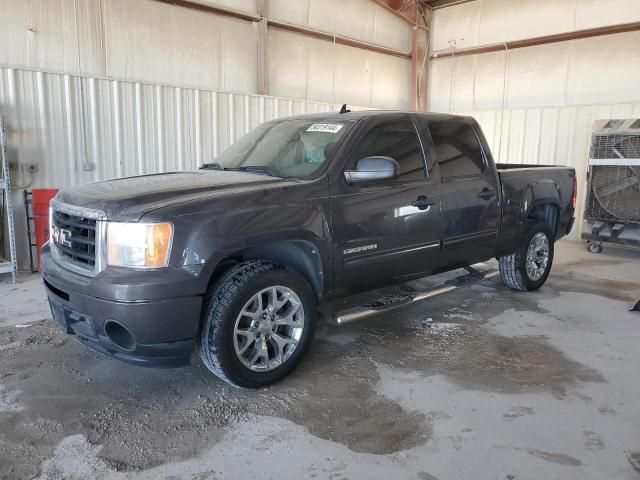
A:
x: 371, y: 169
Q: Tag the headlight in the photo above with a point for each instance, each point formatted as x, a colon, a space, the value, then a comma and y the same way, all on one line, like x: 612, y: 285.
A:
x: 139, y: 245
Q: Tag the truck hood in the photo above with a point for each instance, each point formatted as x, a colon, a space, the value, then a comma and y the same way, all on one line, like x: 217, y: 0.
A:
x: 128, y: 199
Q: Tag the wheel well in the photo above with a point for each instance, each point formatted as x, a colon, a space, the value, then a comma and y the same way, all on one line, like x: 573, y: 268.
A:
x: 300, y: 255
x: 548, y: 213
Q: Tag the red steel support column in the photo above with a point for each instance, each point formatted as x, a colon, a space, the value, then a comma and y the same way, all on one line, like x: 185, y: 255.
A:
x: 419, y: 69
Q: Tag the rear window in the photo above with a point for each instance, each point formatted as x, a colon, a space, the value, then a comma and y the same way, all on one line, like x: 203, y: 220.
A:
x: 456, y: 148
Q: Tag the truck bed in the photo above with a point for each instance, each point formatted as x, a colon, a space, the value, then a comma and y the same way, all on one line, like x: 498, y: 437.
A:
x: 525, y: 185
x: 519, y: 166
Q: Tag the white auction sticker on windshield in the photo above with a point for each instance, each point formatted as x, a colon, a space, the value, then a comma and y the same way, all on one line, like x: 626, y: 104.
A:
x: 325, y: 127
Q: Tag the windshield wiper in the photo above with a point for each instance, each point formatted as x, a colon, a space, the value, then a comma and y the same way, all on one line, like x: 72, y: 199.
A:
x: 252, y: 169
x: 211, y: 166
x: 257, y: 169
x: 244, y: 168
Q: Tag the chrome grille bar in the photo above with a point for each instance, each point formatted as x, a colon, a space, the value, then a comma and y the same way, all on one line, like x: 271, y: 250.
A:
x: 78, y: 238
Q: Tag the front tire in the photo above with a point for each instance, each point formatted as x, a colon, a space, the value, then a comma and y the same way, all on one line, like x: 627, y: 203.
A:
x: 528, y: 267
x: 258, y: 323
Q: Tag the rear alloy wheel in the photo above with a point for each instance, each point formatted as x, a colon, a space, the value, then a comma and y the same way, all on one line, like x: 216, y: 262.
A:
x: 528, y: 267
x: 537, y: 256
x: 258, y: 323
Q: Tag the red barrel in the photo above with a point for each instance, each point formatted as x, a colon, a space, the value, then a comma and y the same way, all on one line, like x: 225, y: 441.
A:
x: 41, y: 198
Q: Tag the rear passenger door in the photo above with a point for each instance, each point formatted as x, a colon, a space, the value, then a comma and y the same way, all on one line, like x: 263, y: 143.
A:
x: 382, y: 230
x: 469, y: 193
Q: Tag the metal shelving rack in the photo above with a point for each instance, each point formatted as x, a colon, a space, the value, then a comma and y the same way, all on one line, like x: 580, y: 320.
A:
x: 10, y: 266
x: 30, y: 218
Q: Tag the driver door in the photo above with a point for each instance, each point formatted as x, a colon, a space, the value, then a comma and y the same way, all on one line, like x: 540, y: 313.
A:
x: 383, y: 230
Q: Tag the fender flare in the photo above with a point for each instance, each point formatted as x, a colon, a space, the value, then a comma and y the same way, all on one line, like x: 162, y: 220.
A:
x: 543, y: 192
x: 306, y: 254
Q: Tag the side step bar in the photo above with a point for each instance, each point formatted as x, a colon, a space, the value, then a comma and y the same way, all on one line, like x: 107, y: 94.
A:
x: 394, y: 301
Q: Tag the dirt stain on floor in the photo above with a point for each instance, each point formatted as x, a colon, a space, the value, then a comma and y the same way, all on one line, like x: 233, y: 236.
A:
x: 634, y: 460
x: 575, y: 282
x: 559, y: 458
x: 144, y: 418
x: 426, y: 476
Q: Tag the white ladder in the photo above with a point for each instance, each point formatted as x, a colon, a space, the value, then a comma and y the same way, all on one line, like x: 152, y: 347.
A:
x: 5, y: 186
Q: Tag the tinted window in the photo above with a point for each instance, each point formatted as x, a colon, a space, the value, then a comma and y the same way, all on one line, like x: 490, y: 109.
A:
x: 397, y: 140
x: 456, y: 148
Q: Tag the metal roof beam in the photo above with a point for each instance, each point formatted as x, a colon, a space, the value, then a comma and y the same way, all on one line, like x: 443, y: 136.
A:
x: 531, y: 42
x: 405, y: 9
x: 437, y: 4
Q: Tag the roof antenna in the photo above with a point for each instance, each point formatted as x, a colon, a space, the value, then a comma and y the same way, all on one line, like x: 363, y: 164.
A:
x: 344, y: 109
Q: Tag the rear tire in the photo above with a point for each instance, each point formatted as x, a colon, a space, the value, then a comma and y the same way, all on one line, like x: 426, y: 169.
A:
x: 237, y: 311
x: 532, y: 252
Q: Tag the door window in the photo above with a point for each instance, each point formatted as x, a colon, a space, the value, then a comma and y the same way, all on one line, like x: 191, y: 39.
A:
x: 398, y: 140
x: 456, y: 148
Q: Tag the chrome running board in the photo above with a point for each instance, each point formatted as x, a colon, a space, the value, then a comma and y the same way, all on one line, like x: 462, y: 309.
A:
x: 399, y: 300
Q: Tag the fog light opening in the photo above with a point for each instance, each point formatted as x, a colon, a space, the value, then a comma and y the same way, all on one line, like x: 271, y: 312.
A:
x: 119, y: 335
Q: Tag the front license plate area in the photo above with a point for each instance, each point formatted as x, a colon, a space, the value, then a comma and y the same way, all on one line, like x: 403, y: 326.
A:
x: 72, y: 322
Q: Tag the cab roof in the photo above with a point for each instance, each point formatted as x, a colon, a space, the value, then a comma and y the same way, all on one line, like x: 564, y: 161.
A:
x: 360, y: 114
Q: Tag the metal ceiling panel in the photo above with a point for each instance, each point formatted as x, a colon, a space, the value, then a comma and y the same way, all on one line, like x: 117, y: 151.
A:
x: 305, y: 67
x: 579, y: 72
x: 493, y: 22
x: 192, y: 48
x: 374, y: 24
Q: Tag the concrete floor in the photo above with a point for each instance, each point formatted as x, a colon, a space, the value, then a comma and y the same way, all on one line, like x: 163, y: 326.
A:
x: 484, y: 383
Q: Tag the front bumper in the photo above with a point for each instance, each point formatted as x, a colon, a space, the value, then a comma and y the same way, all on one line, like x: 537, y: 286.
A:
x: 155, y: 332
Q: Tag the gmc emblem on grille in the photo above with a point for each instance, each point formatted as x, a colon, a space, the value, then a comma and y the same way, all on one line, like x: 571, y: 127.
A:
x: 60, y: 235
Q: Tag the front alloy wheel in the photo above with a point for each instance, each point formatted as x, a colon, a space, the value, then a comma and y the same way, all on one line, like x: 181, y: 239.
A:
x: 258, y: 322
x: 268, y: 329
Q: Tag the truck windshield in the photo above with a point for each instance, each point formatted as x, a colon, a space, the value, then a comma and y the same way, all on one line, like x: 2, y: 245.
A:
x: 286, y: 148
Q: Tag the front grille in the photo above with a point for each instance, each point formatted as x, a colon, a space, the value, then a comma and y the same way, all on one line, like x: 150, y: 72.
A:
x: 77, y: 242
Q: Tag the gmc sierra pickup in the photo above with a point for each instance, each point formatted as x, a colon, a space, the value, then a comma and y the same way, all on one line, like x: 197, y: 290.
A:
x: 235, y: 258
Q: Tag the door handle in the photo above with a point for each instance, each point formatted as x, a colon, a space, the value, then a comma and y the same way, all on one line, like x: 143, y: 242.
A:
x: 423, y: 202
x: 487, y: 193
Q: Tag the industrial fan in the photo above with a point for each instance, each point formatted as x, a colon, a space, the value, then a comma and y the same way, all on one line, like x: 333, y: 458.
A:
x: 612, y: 211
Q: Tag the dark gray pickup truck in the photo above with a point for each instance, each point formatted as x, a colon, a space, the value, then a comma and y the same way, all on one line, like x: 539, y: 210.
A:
x: 234, y: 259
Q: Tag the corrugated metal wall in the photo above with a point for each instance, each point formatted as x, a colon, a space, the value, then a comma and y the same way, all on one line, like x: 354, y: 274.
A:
x: 153, y: 42
x: 83, y: 129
